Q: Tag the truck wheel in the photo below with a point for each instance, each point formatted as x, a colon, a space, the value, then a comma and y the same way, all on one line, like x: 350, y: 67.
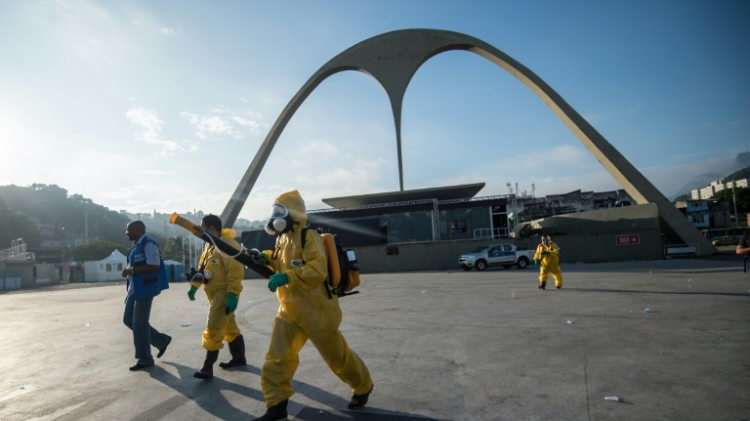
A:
x: 480, y: 265
x: 522, y: 263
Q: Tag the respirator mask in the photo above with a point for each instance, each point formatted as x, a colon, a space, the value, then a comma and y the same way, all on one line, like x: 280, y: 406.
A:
x: 280, y: 220
x: 202, y: 276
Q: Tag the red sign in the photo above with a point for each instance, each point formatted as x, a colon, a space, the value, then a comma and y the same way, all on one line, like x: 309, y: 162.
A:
x: 625, y: 240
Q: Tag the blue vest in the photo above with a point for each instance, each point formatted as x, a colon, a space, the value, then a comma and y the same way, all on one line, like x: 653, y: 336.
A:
x: 147, y: 285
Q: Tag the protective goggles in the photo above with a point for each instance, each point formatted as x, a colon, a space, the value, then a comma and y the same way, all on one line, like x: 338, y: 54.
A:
x: 279, y: 211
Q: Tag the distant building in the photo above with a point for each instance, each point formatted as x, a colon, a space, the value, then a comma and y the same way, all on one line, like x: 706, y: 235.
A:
x: 706, y: 214
x: 439, y: 214
x: 709, y: 191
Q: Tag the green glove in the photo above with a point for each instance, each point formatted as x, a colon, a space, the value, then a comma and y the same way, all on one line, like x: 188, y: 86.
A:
x: 260, y: 258
x: 276, y: 280
x: 231, y: 302
x: 536, y: 262
x: 545, y: 252
x: 191, y: 293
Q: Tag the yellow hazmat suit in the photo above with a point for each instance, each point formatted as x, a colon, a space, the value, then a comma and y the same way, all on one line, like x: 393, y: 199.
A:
x: 305, y: 312
x: 226, y: 276
x: 550, y: 262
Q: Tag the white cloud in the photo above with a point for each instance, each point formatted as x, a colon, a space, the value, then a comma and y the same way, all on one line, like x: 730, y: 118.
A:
x: 151, y: 126
x: 170, y: 32
x: 718, y: 126
x: 223, y: 122
x: 253, y: 126
x: 149, y: 122
x: 209, y: 127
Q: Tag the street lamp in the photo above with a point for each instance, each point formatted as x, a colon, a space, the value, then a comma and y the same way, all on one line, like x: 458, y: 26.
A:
x: 65, y: 234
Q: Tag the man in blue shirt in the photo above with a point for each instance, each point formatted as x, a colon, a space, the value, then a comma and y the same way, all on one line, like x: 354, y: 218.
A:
x: 146, y: 277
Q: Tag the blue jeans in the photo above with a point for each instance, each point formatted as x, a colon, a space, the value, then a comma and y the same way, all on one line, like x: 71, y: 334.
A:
x: 137, y: 313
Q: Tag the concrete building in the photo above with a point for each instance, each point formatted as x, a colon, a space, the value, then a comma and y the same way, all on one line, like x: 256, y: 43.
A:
x: 709, y: 191
x: 428, y: 229
x: 706, y: 214
x: 16, y: 266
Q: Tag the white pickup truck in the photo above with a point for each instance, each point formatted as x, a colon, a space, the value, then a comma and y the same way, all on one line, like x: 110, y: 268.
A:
x: 505, y: 255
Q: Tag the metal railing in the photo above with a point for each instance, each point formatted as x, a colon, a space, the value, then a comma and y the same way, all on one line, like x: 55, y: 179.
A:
x: 681, y: 250
x: 16, y: 252
x: 490, y: 233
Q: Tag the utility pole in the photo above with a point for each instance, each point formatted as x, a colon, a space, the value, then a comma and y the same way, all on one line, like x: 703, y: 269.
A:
x: 734, y: 199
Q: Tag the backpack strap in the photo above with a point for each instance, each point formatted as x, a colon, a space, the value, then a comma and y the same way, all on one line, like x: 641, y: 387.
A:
x: 303, y: 236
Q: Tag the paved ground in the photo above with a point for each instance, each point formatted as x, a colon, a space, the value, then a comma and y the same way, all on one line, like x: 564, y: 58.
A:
x: 442, y: 345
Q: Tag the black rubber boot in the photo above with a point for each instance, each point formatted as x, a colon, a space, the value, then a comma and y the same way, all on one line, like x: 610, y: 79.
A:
x: 543, y: 285
x: 275, y: 413
x: 207, y: 371
x: 237, y: 349
x: 358, y: 401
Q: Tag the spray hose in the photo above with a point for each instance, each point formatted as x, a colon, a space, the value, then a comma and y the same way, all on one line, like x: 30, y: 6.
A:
x: 243, y: 255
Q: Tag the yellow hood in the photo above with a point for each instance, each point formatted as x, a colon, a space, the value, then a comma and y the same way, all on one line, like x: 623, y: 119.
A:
x: 228, y: 233
x: 295, y: 204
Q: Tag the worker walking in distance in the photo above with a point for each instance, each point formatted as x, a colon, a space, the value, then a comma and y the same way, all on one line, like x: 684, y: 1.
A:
x: 547, y: 257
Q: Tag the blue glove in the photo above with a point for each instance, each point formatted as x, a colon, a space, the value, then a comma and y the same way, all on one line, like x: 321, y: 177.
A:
x: 276, y: 280
x: 231, y: 302
x: 536, y: 262
x: 545, y: 252
x: 191, y: 293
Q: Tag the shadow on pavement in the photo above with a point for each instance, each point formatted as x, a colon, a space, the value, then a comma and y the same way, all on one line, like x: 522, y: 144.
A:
x: 208, y: 393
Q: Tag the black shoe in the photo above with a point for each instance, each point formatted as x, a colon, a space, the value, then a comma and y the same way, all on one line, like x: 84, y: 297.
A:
x: 233, y: 363
x: 204, y: 374
x: 164, y: 348
x: 237, y: 349
x: 358, y: 401
x: 275, y: 413
x: 207, y: 371
x: 543, y: 285
x: 138, y: 366
x: 559, y: 287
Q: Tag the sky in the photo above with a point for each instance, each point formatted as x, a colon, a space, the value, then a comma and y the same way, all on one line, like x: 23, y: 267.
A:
x: 161, y: 106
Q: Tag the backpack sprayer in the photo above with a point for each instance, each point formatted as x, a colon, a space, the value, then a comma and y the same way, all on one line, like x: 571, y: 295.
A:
x: 244, y: 256
x: 343, y: 271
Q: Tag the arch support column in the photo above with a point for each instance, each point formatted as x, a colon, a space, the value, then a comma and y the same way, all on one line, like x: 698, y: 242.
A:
x: 393, y: 58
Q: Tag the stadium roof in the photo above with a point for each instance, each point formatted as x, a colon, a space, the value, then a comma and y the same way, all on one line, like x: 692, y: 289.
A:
x: 463, y: 191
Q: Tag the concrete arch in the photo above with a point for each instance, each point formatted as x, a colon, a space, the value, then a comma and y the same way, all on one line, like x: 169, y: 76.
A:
x: 393, y: 58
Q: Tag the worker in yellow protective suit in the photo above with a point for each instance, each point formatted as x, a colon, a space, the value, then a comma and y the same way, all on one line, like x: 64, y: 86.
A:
x: 547, y: 256
x: 222, y: 277
x: 305, y: 312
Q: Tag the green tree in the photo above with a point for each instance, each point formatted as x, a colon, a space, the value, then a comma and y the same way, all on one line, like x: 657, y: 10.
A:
x: 15, y: 225
x: 175, y: 249
x: 743, y: 198
x: 50, y: 204
x: 97, y: 249
x: 738, y: 175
